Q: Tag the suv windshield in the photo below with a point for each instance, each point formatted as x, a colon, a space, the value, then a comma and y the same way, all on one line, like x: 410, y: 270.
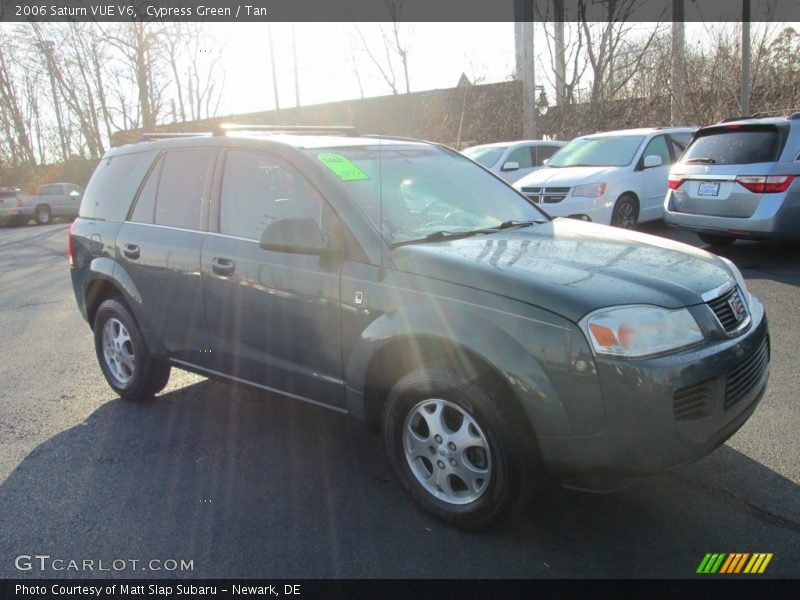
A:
x: 606, y: 151
x: 485, y: 156
x: 735, y: 145
x: 425, y: 190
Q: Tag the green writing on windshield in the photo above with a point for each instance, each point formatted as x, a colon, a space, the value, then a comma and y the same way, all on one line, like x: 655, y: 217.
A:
x: 341, y: 166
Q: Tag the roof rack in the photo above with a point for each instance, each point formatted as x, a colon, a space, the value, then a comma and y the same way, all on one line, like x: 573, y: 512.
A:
x: 146, y: 137
x: 398, y: 138
x: 347, y: 130
x: 224, y: 128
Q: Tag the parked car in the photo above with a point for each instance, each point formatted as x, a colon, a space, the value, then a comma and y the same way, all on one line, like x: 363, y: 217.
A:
x: 739, y: 179
x: 401, y: 283
x: 513, y: 160
x: 10, y: 206
x: 52, y: 200
x: 617, y: 177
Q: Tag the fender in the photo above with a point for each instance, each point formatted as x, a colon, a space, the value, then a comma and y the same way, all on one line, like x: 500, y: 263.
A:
x: 106, y: 269
x: 488, y: 336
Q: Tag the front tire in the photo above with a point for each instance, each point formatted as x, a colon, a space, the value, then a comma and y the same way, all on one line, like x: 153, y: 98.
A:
x: 457, y: 447
x: 626, y: 212
x: 127, y: 365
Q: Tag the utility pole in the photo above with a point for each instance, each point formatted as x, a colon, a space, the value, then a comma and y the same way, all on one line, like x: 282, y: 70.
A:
x: 47, y: 49
x: 272, y: 62
x: 561, y: 63
x: 523, y: 34
x: 677, y: 81
x: 745, y: 100
x: 296, y: 74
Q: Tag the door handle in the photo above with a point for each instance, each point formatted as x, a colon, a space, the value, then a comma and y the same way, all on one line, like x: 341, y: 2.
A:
x: 222, y: 266
x: 131, y: 251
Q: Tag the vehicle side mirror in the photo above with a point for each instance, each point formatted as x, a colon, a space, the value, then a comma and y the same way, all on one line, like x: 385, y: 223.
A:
x: 510, y: 166
x: 652, y: 160
x: 545, y: 161
x: 295, y: 236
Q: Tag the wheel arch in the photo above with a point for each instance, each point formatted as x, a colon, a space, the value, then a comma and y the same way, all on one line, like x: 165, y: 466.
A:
x: 633, y: 195
x: 391, y: 347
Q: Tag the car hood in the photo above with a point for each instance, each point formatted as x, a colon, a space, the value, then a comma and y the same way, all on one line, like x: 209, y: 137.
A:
x: 564, y: 176
x: 571, y: 267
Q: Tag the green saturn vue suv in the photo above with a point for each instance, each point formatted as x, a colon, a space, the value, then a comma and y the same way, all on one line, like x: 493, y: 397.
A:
x: 402, y: 283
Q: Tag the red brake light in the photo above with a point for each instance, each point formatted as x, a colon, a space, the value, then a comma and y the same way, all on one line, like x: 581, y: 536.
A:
x: 69, y: 244
x: 675, y: 181
x: 765, y: 184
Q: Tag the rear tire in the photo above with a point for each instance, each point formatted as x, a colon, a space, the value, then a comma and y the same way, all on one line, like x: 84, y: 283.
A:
x: 43, y: 215
x: 127, y: 364
x: 458, y: 448
x: 716, y: 240
x: 626, y: 212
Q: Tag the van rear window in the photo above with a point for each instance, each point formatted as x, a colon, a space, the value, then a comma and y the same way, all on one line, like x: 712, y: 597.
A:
x: 114, y: 184
x: 736, y: 145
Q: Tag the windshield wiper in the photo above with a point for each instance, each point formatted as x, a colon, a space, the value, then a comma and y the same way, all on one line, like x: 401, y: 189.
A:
x: 437, y: 236
x: 702, y: 159
x: 443, y: 234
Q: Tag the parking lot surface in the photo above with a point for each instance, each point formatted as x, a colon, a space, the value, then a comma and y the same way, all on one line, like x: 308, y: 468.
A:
x: 246, y: 484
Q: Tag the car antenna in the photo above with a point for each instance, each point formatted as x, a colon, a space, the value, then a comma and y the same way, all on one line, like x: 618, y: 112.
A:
x: 381, y: 271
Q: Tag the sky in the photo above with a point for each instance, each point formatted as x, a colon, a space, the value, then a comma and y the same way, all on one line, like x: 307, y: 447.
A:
x: 438, y: 54
x: 325, y: 51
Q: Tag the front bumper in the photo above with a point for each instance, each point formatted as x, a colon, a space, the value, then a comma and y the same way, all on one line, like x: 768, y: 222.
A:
x: 643, y: 431
x: 597, y: 209
x: 8, y: 215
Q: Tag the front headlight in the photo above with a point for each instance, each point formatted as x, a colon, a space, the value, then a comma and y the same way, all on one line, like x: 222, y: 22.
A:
x: 590, y: 190
x: 635, y: 331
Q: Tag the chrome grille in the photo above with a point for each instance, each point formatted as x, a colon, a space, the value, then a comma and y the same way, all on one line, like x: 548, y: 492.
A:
x: 730, y: 310
x: 546, y: 195
x: 694, y: 401
x: 742, y: 378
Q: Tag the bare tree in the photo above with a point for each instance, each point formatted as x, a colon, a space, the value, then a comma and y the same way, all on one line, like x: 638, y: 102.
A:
x: 396, y: 45
x: 140, y: 47
x: 565, y: 47
x: 11, y: 117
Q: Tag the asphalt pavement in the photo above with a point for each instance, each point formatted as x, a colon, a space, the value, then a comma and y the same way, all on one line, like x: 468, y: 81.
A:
x: 241, y: 484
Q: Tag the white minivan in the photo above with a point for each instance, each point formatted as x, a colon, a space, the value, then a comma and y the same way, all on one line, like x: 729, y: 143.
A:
x: 614, y: 178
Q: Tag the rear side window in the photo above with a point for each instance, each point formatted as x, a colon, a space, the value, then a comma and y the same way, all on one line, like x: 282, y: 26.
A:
x: 49, y: 190
x: 111, y: 190
x: 180, y: 188
x: 736, y: 146
x: 146, y: 204
x: 258, y: 189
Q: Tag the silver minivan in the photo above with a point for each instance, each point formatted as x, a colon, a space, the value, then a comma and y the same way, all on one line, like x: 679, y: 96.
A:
x: 739, y: 179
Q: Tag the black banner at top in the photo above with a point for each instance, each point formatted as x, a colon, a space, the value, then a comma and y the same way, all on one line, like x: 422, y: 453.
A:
x: 394, y: 10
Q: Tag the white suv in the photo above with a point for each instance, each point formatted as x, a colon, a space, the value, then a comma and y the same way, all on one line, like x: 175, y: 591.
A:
x: 614, y: 178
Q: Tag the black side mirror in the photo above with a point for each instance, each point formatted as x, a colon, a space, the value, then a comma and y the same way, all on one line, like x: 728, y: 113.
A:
x: 295, y: 236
